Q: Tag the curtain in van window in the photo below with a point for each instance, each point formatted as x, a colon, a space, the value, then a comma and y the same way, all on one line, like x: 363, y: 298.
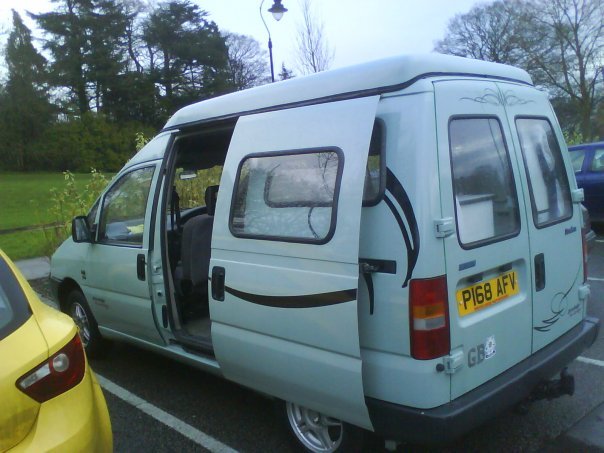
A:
x: 548, y: 183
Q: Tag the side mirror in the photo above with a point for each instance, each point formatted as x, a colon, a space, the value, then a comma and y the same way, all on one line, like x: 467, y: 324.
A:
x: 79, y: 230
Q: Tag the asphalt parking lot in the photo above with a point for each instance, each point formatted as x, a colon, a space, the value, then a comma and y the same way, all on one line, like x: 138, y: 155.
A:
x: 159, y: 405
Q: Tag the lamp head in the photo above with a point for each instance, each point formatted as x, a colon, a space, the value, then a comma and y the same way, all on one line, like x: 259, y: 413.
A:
x: 277, y: 10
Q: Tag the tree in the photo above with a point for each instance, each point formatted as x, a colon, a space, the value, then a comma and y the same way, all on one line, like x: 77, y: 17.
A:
x: 86, y: 41
x: 314, y: 52
x: 246, y: 62
x: 285, y: 73
x: 487, y: 32
x: 187, y: 54
x: 25, y: 110
x: 559, y: 42
x: 565, y: 53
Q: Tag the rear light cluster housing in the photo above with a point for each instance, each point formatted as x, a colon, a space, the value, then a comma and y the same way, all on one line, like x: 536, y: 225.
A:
x: 60, y: 372
x: 429, y: 318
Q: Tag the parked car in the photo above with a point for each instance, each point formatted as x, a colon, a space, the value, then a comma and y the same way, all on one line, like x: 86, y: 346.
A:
x: 394, y: 246
x: 588, y: 164
x: 50, y: 397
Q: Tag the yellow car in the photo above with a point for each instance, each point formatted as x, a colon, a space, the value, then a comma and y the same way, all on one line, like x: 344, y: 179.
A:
x: 50, y: 399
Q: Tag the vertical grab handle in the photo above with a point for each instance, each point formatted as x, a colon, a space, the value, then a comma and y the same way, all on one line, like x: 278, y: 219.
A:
x: 218, y: 283
x: 140, y: 266
x: 539, y: 272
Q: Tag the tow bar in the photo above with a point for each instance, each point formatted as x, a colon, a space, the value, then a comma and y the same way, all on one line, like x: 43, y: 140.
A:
x: 549, y: 390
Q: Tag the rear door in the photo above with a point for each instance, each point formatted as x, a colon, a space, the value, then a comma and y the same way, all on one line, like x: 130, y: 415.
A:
x: 554, y: 222
x: 284, y: 264
x: 488, y: 273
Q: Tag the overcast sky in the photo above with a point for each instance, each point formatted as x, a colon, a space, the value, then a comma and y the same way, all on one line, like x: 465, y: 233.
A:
x: 358, y: 30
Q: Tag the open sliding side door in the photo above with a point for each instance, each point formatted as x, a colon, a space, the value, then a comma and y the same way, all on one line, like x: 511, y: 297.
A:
x: 284, y: 264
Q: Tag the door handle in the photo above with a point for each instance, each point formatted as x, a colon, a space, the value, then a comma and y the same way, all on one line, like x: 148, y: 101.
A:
x: 140, y: 266
x: 539, y: 272
x: 218, y: 283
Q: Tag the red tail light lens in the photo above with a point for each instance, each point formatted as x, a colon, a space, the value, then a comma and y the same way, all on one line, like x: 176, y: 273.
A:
x: 59, y: 373
x: 429, y: 318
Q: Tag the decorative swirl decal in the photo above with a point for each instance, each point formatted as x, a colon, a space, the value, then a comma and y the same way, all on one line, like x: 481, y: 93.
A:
x: 558, y: 307
x: 503, y: 98
x: 411, y: 238
x: 301, y: 301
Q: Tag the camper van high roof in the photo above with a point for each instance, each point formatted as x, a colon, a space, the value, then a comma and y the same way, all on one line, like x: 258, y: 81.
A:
x: 387, y: 75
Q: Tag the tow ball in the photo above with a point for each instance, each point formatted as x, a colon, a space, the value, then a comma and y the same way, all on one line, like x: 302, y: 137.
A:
x: 549, y: 390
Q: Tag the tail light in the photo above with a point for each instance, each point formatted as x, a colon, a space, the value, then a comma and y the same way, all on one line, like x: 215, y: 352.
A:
x: 429, y: 318
x: 59, y: 373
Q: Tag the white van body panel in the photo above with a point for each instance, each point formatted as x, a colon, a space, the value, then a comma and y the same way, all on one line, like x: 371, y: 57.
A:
x: 315, y: 348
x: 389, y: 371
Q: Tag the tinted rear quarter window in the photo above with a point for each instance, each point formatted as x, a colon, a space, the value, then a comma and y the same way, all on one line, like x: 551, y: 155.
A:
x: 14, y: 308
x: 548, y: 182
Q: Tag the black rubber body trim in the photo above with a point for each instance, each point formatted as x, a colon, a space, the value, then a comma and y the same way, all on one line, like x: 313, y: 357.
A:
x: 396, y: 189
x: 340, y: 97
x: 450, y: 421
x: 302, y: 301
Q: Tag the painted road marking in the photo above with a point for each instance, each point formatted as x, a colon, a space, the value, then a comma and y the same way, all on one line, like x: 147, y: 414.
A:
x: 199, y: 437
x: 599, y: 240
x: 590, y: 361
x: 596, y: 279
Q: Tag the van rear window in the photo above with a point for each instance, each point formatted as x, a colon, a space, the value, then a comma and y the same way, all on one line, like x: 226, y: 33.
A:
x: 287, y: 196
x: 548, y: 183
x: 486, y: 204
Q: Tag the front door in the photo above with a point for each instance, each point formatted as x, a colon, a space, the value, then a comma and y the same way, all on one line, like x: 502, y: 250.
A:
x: 116, y: 280
x: 487, y: 259
x: 554, y: 220
x: 284, y: 264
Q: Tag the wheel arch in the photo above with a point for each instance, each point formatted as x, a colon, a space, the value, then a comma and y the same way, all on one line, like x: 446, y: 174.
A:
x: 66, y: 287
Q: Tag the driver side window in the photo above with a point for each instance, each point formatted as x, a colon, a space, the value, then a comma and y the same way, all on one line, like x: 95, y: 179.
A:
x: 124, y: 206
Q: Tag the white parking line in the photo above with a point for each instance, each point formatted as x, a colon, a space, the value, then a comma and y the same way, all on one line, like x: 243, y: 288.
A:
x: 595, y: 279
x: 599, y: 240
x: 199, y: 437
x: 590, y: 361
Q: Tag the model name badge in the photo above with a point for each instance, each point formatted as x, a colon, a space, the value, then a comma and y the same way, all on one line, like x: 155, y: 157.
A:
x: 482, y: 352
x: 570, y: 230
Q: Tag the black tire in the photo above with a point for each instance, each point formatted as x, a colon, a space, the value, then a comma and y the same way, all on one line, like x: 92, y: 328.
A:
x: 78, y: 309
x: 342, y: 437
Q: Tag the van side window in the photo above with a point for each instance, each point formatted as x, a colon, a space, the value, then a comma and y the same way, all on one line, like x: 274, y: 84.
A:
x: 286, y: 196
x: 124, y: 206
x: 375, y: 180
x: 486, y: 205
x: 548, y: 183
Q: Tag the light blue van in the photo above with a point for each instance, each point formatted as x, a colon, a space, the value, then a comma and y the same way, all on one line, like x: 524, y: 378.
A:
x: 394, y: 246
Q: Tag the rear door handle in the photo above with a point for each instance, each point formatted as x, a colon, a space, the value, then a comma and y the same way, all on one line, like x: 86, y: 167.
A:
x: 218, y: 283
x: 539, y: 272
x: 140, y: 266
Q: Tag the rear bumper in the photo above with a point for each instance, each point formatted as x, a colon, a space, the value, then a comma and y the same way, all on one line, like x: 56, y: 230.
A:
x: 450, y: 421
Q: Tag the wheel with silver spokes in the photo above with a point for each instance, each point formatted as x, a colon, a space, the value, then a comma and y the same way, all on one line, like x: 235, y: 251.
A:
x: 320, y: 433
x: 77, y: 308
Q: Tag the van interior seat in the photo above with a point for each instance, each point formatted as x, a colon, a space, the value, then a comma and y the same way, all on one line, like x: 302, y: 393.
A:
x: 196, y: 250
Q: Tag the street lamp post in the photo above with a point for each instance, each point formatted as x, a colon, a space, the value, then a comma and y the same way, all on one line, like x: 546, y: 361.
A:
x: 277, y: 10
